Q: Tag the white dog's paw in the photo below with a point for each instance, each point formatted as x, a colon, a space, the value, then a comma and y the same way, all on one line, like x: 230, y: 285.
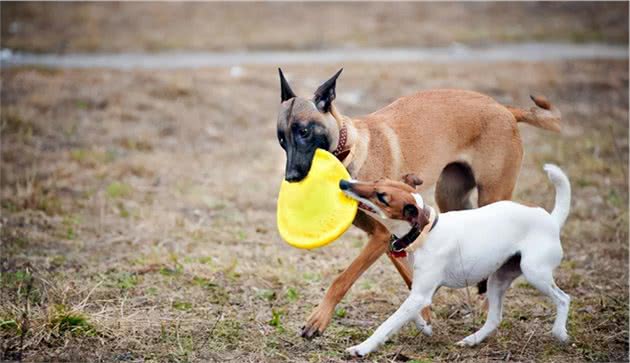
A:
x: 422, y: 326
x: 425, y: 329
x: 360, y: 350
x: 469, y: 341
x: 561, y: 335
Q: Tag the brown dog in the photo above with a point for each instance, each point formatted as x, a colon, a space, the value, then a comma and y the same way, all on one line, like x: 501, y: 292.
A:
x: 455, y: 139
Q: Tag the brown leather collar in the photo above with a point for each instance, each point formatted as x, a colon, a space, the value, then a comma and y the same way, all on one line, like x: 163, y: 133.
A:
x: 340, y: 152
x: 399, y: 245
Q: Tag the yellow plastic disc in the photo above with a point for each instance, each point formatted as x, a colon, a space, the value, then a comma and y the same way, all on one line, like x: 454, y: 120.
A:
x: 314, y: 211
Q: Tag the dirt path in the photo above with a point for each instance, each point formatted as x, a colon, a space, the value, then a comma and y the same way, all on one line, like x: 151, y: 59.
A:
x: 521, y: 52
x: 140, y: 208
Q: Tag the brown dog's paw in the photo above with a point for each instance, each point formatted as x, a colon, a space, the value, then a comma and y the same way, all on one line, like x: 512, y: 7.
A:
x: 316, y: 323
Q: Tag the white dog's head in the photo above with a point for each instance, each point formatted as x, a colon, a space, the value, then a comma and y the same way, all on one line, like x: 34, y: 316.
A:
x: 390, y: 199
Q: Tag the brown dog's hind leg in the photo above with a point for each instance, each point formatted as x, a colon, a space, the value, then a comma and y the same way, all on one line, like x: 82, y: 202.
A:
x: 490, y: 192
x: 453, y: 188
x: 376, y: 246
x: 452, y: 192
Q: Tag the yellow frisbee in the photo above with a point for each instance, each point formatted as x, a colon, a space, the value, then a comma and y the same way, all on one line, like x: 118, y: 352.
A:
x: 314, y: 211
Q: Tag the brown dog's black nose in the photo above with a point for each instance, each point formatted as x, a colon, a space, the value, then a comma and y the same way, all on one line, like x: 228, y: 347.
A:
x: 293, y: 176
x: 344, y: 184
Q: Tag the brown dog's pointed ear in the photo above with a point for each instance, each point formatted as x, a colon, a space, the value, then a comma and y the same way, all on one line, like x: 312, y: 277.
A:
x: 325, y: 94
x: 412, y: 180
x: 286, y: 93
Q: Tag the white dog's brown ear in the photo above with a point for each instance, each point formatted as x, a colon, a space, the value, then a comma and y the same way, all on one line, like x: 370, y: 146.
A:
x: 412, y: 180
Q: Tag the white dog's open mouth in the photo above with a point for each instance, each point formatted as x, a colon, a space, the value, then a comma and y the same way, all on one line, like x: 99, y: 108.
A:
x: 365, y: 204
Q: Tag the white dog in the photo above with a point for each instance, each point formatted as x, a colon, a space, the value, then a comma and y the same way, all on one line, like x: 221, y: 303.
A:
x: 498, y: 242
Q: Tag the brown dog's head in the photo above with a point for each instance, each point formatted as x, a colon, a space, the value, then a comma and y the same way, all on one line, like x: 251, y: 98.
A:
x: 304, y: 125
x: 390, y: 199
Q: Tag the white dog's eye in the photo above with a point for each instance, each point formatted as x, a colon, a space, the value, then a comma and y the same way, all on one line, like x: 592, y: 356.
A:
x: 382, y: 197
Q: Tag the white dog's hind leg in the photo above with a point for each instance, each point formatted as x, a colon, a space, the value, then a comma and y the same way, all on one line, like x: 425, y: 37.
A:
x: 540, y: 275
x: 496, y: 291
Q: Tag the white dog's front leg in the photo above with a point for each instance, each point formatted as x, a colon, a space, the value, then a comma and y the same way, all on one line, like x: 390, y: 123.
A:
x: 407, y: 312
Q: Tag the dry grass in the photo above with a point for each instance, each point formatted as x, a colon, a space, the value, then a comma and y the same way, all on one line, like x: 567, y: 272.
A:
x: 138, y: 219
x: 65, y: 27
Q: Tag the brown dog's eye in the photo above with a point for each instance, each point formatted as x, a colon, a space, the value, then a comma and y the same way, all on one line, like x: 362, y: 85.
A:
x: 382, y: 197
x: 304, y: 132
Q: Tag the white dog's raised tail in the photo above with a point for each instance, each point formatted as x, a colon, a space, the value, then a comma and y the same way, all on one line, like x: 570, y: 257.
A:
x: 563, y: 193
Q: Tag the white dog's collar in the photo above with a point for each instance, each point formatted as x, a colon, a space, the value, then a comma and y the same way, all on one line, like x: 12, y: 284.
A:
x: 425, y: 231
x: 419, y: 200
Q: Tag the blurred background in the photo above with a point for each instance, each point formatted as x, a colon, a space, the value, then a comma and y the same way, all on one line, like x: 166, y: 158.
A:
x: 139, y: 171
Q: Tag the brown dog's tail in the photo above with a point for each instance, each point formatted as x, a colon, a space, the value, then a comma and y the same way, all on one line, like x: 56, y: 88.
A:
x: 545, y: 116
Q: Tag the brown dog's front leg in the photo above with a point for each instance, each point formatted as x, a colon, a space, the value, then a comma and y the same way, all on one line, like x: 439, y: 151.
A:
x: 369, y: 225
x: 376, y: 246
x: 320, y: 317
x: 402, y: 269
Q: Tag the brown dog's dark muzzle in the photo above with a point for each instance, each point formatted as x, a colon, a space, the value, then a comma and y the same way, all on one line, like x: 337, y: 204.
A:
x: 298, y: 165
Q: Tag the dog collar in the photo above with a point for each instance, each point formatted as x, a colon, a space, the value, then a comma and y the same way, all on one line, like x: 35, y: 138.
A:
x: 398, y: 247
x: 340, y: 151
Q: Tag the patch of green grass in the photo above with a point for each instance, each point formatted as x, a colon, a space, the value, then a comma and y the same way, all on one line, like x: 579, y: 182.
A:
x: 230, y: 270
x: 241, y: 235
x: 311, y: 276
x: 21, y: 283
x: 9, y: 206
x: 292, y: 294
x: 126, y: 281
x: 614, y: 199
x: 58, y: 260
x: 70, y: 223
x: 122, y: 211
x: 167, y: 271
x: 10, y: 325
x: 63, y: 320
x: 349, y: 333
x: 216, y: 294
x: 136, y: 145
x: 118, y: 190
x: 12, y: 122
x: 207, y: 260
x: 366, y: 285
x: 276, y: 319
x: 92, y: 158
x: 228, y: 332
x: 182, y: 305
x: 47, y: 202
x: 525, y: 285
x: 82, y: 104
x: 200, y: 281
x: 152, y: 290
x: 266, y: 294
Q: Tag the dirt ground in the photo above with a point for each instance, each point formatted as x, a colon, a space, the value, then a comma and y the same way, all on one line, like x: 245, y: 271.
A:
x: 138, y: 207
x: 138, y: 218
x: 102, y: 26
